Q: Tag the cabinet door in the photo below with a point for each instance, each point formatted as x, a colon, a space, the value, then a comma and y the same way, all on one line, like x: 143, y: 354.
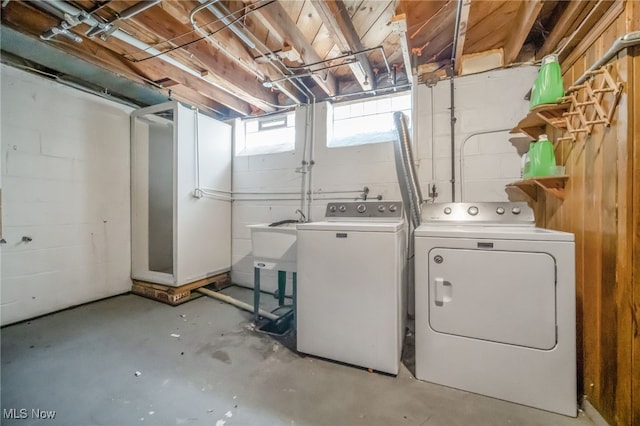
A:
x: 499, y: 296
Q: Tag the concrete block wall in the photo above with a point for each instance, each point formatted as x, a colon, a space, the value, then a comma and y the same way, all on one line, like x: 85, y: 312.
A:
x: 65, y: 176
x: 334, y: 169
x: 258, y: 181
x: 487, y: 106
x: 484, y: 102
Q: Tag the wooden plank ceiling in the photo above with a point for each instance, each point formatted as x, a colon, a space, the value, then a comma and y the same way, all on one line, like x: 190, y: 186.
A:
x: 240, y: 58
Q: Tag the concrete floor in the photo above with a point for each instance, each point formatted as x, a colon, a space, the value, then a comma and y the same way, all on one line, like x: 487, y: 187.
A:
x: 82, y: 364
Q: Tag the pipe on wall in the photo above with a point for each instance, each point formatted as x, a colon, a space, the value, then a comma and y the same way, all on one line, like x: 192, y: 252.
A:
x: 627, y: 40
x: 462, y: 145
x: 456, y: 35
x: 125, y: 37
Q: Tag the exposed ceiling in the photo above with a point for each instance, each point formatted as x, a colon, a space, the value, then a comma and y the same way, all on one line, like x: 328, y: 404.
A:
x: 238, y: 58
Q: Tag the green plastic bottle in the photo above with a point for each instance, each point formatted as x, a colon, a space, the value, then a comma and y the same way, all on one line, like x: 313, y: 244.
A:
x: 549, y: 82
x: 526, y: 159
x: 543, y: 162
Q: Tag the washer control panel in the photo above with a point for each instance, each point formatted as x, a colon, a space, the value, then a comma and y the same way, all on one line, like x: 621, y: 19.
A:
x: 494, y: 213
x: 364, y: 210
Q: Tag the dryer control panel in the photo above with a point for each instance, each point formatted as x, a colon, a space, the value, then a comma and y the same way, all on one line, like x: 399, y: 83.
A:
x: 364, y: 210
x: 490, y: 213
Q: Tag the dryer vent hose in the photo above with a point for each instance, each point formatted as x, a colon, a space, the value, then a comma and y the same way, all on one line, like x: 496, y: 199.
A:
x: 407, y: 177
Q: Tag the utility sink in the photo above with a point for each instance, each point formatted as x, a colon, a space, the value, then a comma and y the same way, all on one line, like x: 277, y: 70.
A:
x: 274, y: 247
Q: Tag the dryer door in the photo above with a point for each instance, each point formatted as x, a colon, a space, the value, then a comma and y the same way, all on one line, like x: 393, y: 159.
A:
x: 500, y: 296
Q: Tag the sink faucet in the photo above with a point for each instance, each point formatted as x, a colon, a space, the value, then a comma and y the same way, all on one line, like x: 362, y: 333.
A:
x: 302, y: 217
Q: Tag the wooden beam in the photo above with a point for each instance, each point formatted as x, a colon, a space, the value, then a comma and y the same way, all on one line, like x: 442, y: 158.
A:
x: 336, y: 18
x: 277, y: 19
x: 527, y: 15
x: 603, y: 14
x: 108, y: 55
x: 225, y: 73
x: 567, y: 20
x: 462, y: 33
x: 399, y: 25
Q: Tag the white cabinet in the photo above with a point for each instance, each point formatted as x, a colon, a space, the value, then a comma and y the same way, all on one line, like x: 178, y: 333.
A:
x: 180, y: 195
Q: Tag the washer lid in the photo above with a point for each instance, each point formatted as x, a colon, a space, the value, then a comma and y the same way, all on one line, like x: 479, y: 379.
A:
x: 394, y: 226
x: 493, y: 232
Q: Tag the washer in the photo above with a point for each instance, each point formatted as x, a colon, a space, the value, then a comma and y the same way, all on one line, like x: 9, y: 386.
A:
x: 351, y: 290
x: 495, y: 304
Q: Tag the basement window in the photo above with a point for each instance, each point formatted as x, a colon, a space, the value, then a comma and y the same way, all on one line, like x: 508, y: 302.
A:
x: 265, y: 135
x: 366, y: 122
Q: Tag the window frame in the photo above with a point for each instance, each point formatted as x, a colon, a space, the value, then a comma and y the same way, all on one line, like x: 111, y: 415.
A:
x: 362, y: 105
x: 283, y: 121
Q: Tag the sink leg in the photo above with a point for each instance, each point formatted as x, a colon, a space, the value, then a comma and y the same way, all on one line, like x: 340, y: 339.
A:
x: 256, y: 295
x: 282, y: 286
x: 295, y: 299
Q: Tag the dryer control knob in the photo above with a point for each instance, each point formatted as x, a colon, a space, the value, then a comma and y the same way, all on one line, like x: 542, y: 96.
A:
x: 473, y: 210
x: 343, y: 208
x: 381, y: 208
x: 392, y: 208
x: 500, y: 210
x: 332, y: 209
x: 447, y: 210
x: 361, y: 208
x: 515, y: 210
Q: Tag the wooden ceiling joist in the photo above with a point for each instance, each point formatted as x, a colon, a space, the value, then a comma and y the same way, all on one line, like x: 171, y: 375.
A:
x: 399, y: 24
x: 336, y: 18
x: 526, y: 17
x: 109, y: 54
x: 224, y: 72
x: 574, y: 11
x: 463, y: 25
x: 277, y: 19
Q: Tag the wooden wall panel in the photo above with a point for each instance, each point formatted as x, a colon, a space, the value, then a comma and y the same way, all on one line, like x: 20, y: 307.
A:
x: 634, y: 137
x: 634, y: 228
x: 602, y: 208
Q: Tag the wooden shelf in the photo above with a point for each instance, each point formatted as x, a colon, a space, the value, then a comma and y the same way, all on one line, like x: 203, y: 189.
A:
x: 533, y: 125
x: 552, y: 184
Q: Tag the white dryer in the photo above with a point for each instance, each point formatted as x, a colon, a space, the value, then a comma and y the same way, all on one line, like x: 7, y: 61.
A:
x: 495, y: 304
x: 351, y: 289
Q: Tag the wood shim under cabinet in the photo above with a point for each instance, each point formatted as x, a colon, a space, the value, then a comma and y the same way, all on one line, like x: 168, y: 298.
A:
x: 177, y: 295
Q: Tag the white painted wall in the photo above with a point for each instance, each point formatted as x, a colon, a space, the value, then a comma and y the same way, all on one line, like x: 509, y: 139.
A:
x: 491, y: 101
x: 65, y: 175
x: 487, y: 101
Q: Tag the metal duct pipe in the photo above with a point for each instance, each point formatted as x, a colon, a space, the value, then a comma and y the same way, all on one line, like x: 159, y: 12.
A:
x: 123, y: 36
x: 63, y: 30
x: 407, y: 177
x: 225, y: 20
x: 136, y: 8
x: 248, y: 67
x: 627, y: 40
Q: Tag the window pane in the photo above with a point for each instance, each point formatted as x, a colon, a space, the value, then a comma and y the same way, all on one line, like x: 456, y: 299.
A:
x: 369, y: 107
x: 369, y: 121
x: 268, y: 135
x: 341, y: 112
x: 401, y: 102
x: 384, y: 105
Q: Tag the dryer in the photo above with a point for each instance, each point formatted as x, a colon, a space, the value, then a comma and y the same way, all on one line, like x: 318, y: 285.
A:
x: 495, y: 304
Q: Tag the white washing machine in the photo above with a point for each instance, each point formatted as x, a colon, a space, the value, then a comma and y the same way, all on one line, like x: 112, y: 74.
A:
x: 495, y: 304
x: 351, y: 289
